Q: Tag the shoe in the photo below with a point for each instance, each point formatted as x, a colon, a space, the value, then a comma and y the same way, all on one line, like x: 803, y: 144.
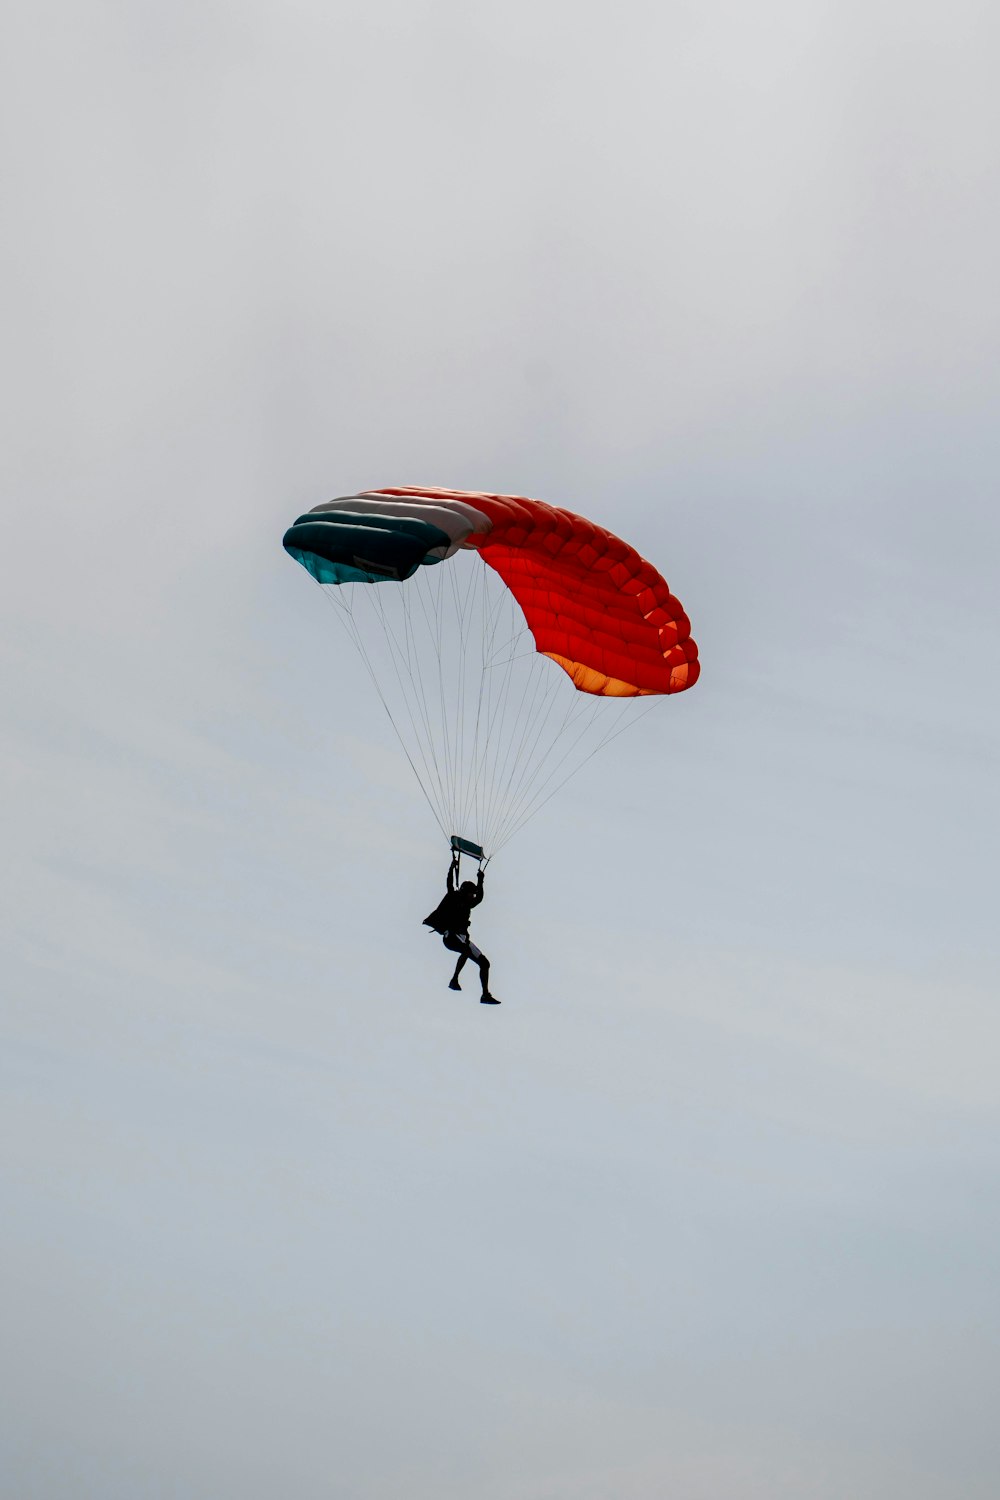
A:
x: 454, y: 984
x: 488, y: 1000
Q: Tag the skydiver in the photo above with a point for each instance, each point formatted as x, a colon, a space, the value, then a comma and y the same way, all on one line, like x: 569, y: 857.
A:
x: 451, y: 919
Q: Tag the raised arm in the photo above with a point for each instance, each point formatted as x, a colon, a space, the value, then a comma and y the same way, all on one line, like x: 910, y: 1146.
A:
x: 452, y: 872
x: 479, y: 888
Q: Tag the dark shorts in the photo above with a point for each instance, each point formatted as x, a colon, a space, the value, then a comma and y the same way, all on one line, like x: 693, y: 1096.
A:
x: 460, y: 942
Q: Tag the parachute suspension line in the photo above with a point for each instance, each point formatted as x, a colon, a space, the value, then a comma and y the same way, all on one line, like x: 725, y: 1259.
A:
x: 430, y: 720
x: 433, y: 716
x: 496, y: 730
x: 477, y: 633
x: 572, y: 714
x: 434, y: 630
x: 428, y: 777
x: 504, y: 737
x: 395, y: 657
x: 485, y: 710
x: 491, y: 731
x: 465, y: 612
x: 527, y: 719
x: 459, y: 686
x: 423, y: 732
x: 433, y: 602
x: 415, y: 680
x: 472, y: 799
x: 532, y: 763
x: 528, y: 762
x: 537, y: 806
x: 532, y: 767
x: 447, y: 587
x: 344, y: 612
x: 473, y: 790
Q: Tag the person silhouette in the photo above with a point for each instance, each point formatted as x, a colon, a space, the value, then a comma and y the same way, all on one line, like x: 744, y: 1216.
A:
x: 451, y: 917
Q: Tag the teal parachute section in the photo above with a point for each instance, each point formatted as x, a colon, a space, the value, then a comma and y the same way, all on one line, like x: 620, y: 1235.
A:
x: 367, y: 538
x: 353, y: 548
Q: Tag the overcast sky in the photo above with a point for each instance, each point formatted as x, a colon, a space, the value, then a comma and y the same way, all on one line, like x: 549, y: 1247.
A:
x: 709, y: 1206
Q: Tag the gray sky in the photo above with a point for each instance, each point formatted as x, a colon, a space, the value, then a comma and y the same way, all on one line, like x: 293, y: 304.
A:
x: 709, y: 1206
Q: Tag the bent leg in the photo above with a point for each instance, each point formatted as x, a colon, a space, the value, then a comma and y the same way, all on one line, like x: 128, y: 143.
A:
x: 478, y: 957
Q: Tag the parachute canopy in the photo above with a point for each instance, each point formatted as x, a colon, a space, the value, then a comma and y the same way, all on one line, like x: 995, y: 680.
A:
x: 592, y: 604
x: 458, y: 603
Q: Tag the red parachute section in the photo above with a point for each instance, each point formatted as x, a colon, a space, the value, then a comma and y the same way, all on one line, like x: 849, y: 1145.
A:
x: 593, y: 605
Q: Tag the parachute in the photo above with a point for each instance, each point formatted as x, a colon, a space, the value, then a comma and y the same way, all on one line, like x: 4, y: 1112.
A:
x: 463, y: 605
